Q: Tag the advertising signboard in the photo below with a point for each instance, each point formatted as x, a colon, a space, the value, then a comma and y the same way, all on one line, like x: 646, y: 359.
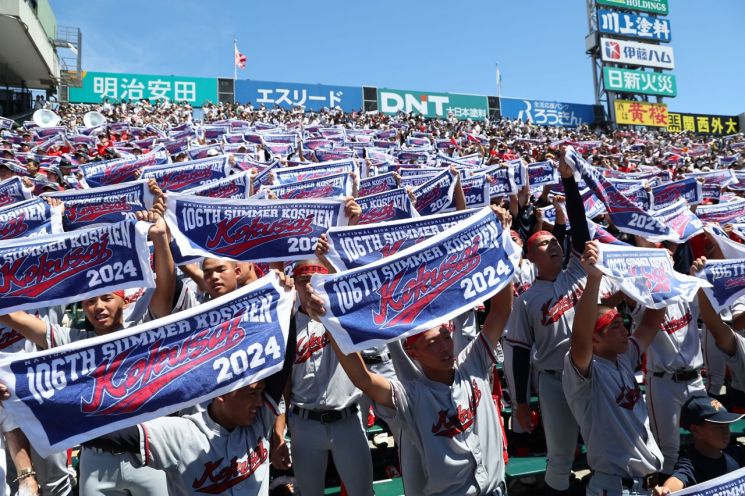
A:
x: 430, y: 104
x: 723, y: 125
x: 653, y: 6
x: 633, y: 25
x: 633, y: 53
x: 639, y: 82
x: 134, y: 87
x: 548, y: 113
x: 641, y: 113
x: 288, y: 95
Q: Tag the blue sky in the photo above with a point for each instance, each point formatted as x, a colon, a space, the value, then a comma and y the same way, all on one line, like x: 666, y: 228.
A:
x: 405, y: 44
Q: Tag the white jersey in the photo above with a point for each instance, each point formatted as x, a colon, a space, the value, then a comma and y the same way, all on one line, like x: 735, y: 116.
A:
x: 525, y: 274
x: 454, y: 429
x: 202, y: 457
x: 318, y: 380
x: 612, y: 415
x: 677, y: 346
x: 542, y: 317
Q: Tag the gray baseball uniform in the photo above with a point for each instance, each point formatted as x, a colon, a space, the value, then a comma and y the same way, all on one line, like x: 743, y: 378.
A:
x: 673, y: 361
x: 525, y: 274
x: 612, y: 415
x: 454, y: 429
x: 320, y: 386
x: 541, y: 321
x: 200, y: 456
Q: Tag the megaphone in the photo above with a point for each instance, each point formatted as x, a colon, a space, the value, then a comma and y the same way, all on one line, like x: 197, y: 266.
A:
x: 94, y: 119
x: 45, y: 118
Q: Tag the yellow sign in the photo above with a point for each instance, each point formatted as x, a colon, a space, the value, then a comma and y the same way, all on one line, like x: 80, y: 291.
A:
x: 703, y: 123
x: 641, y: 113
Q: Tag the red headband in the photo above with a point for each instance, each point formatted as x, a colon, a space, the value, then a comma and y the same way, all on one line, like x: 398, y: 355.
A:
x: 605, y: 320
x: 532, y: 240
x: 120, y: 294
x: 305, y: 270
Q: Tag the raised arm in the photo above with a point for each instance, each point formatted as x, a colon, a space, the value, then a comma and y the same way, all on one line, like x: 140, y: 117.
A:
x: 649, y: 327
x: 575, y: 207
x: 161, y: 303
x: 499, y: 313
x: 458, y: 195
x: 32, y: 328
x: 375, y: 386
x: 586, y: 312
x: 723, y: 334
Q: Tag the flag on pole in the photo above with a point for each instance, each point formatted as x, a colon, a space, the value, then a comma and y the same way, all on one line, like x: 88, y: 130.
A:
x: 240, y: 59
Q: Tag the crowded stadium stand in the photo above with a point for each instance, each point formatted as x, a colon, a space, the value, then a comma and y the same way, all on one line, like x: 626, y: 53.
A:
x: 201, y: 284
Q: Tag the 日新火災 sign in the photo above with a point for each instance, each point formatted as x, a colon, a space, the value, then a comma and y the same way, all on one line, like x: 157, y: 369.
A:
x: 639, y: 82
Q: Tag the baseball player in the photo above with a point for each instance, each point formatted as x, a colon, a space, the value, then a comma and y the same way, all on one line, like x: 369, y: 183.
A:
x: 323, y: 408
x: 539, y: 330
x: 453, y: 428
x: 673, y: 361
x: 603, y: 395
x: 727, y: 340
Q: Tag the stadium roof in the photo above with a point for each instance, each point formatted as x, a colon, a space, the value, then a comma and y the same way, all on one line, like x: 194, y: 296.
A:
x: 26, y: 51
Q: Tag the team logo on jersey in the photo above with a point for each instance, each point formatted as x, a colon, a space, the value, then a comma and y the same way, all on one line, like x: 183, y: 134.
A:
x: 123, y: 386
x: 461, y: 420
x: 8, y: 337
x: 91, y: 212
x: 674, y: 325
x: 628, y: 397
x: 306, y: 346
x: 426, y: 285
x: 218, y: 478
x: 520, y: 288
x: 236, y: 236
x: 32, y: 275
x: 552, y: 312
